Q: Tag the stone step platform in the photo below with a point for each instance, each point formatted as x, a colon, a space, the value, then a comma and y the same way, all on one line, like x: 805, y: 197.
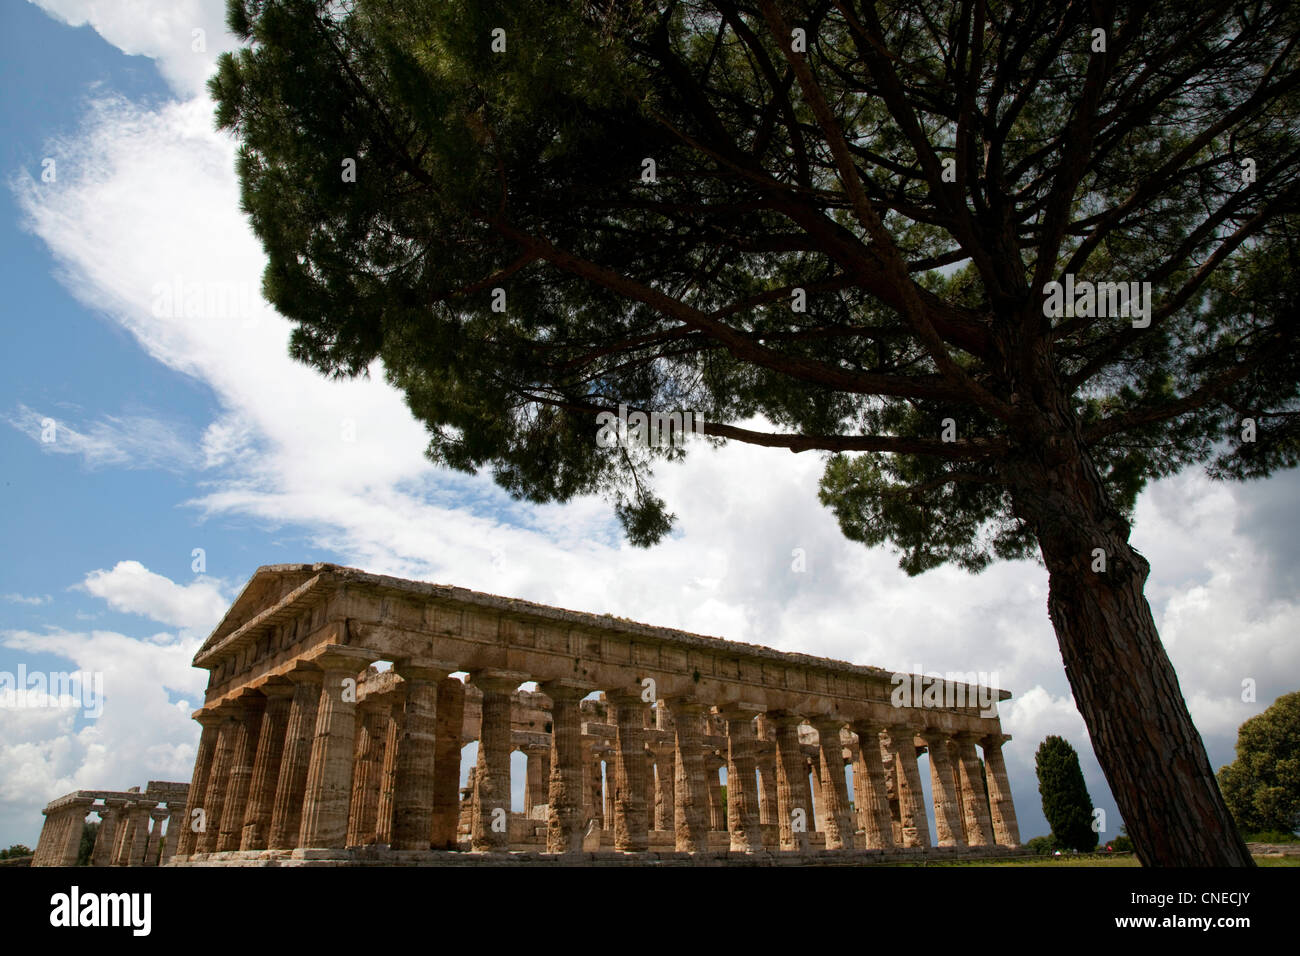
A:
x: 382, y: 856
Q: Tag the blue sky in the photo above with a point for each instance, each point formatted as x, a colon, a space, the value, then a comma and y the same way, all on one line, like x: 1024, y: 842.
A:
x: 192, y: 429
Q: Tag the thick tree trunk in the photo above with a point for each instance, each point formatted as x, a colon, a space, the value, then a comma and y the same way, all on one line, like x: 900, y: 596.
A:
x: 1123, y: 683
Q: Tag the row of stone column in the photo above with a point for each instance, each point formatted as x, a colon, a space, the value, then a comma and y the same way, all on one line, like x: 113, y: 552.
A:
x: 302, y: 764
x: 290, y: 767
x: 130, y: 833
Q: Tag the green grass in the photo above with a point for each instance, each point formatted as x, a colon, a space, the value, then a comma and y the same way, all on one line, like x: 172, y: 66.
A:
x: 1126, y: 859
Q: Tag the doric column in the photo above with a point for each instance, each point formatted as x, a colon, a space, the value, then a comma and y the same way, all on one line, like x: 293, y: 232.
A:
x: 837, y: 821
x: 869, y: 781
x: 1005, y: 829
x: 139, y: 834
x: 187, y: 836
x: 299, y: 736
x: 712, y: 774
x: 975, y: 804
x: 665, y: 785
x: 538, y: 777
x: 388, y: 785
x: 690, y: 812
x: 947, y: 818
x: 42, y: 851
x: 153, y: 846
x: 75, y: 814
x: 911, y: 808
x: 490, y: 826
x: 248, y: 713
x: 631, y: 824
x: 110, y: 818
x: 266, y: 766
x: 813, y: 773
x: 367, y: 770
x: 742, y: 793
x: 446, y: 763
x: 329, y: 777
x: 214, y: 800
x: 564, y: 799
x: 793, y: 801
x: 176, y: 826
x: 123, y: 836
x: 593, y: 799
x: 413, y: 785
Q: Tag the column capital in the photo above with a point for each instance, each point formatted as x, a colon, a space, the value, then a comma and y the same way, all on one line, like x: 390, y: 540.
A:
x: 423, y: 669
x: 160, y: 813
x: 209, y: 717
x: 993, y: 740
x: 306, y: 674
x: 503, y: 682
x: 740, y: 711
x: 784, y: 718
x: 277, y: 688
x: 932, y: 735
x: 340, y: 657
x: 564, y: 688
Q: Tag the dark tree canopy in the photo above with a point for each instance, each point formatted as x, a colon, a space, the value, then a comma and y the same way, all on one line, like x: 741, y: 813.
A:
x: 837, y: 219
x: 1066, y: 803
x: 1262, y: 786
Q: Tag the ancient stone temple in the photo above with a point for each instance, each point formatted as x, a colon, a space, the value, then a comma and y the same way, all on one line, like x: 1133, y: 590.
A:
x: 336, y: 714
x: 135, y: 829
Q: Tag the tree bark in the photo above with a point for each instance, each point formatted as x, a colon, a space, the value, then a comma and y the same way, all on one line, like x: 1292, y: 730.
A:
x: 1123, y: 682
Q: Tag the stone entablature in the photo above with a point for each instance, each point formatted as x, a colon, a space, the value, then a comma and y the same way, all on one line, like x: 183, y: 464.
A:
x: 307, y: 746
x: 136, y: 828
